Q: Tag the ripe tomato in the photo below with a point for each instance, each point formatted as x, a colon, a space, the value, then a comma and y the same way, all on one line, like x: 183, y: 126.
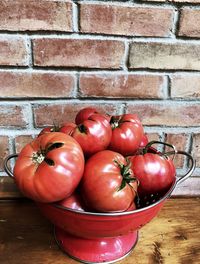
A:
x: 74, y: 201
x: 108, y: 184
x: 144, y: 141
x: 132, y: 207
x: 155, y: 173
x: 84, y: 114
x: 49, y: 130
x: 94, y: 134
x: 50, y: 167
x: 67, y: 128
x: 127, y: 133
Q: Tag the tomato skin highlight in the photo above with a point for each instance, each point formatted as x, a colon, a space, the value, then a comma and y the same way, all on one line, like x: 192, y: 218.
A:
x: 155, y: 173
x: 50, y: 167
x: 101, y: 182
x: 127, y: 133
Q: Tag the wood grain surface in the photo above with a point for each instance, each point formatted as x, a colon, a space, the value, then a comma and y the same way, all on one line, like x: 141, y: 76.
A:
x: 172, y: 237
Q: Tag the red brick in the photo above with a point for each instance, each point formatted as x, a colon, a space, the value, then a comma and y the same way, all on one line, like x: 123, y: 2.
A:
x: 179, y: 141
x: 122, y: 85
x: 62, y: 113
x: 167, y: 114
x: 21, y: 141
x: 153, y: 136
x: 189, y: 22
x: 86, y: 53
x: 13, y: 51
x: 125, y: 20
x: 22, y: 15
x: 4, y: 150
x: 35, y: 84
x: 12, y: 116
x: 157, y: 55
x: 195, y: 148
x: 185, y: 86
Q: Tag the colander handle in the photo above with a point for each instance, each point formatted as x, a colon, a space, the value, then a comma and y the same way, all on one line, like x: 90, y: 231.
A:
x: 191, y: 169
x: 5, y: 164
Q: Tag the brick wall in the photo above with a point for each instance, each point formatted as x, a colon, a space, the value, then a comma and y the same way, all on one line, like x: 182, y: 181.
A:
x: 139, y: 56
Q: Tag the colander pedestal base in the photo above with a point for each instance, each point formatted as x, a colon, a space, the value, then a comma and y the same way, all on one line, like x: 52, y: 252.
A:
x: 97, y: 250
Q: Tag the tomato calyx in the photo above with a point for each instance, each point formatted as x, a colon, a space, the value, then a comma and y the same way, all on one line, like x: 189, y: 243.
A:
x: 40, y: 156
x: 82, y: 128
x: 126, y: 173
x: 115, y: 121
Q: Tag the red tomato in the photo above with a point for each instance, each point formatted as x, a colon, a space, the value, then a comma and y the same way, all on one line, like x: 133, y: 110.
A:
x: 49, y: 130
x: 50, y: 167
x: 94, y: 134
x: 144, y: 141
x: 74, y: 202
x: 108, y: 184
x: 84, y: 114
x: 127, y: 133
x: 155, y: 173
x: 67, y: 128
x: 132, y: 207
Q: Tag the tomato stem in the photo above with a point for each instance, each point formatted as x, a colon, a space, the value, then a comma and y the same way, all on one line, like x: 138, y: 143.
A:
x: 126, y: 173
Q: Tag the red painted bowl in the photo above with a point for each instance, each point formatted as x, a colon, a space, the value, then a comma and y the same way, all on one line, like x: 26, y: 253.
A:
x: 101, y: 237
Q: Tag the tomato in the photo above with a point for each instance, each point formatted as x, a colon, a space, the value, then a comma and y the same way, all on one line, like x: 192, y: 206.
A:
x: 94, y: 134
x: 48, y: 130
x: 67, y: 128
x: 127, y: 133
x: 50, y: 167
x: 73, y: 202
x: 108, y: 184
x: 144, y: 141
x: 64, y: 128
x: 132, y: 207
x: 155, y: 172
x: 84, y: 114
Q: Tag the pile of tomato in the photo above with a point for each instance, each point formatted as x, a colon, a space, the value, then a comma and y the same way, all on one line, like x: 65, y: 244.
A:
x: 99, y: 163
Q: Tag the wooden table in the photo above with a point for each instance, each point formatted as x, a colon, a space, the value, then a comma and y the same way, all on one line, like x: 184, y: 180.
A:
x: 173, y: 237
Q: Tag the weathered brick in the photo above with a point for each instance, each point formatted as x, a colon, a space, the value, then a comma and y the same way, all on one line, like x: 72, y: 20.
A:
x: 86, y: 53
x: 125, y: 20
x: 35, y: 84
x: 161, y: 114
x: 153, y: 136
x: 4, y: 150
x: 13, y: 51
x: 21, y: 141
x: 12, y: 116
x: 179, y: 141
x: 22, y: 15
x: 185, y: 86
x: 170, y: 56
x: 122, y: 85
x: 189, y: 22
x: 196, y: 147
x: 61, y: 113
